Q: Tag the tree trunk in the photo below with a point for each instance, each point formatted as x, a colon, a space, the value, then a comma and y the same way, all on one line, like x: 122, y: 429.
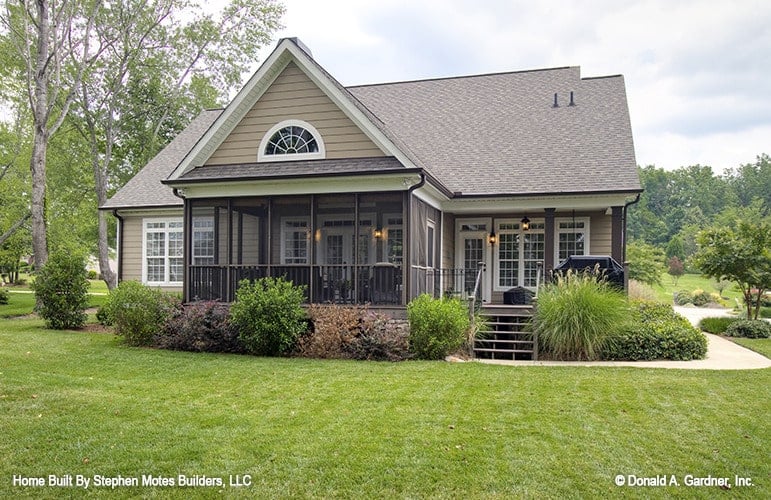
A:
x: 39, y: 105
x: 38, y: 168
x: 108, y: 275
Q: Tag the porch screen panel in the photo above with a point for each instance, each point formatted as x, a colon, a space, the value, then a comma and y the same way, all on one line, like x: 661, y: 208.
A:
x: 250, y: 232
x: 291, y: 228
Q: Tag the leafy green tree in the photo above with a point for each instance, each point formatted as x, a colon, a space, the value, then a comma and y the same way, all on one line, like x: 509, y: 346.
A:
x: 646, y: 262
x: 675, y: 248
x: 741, y: 254
x: 185, y: 59
x: 753, y: 181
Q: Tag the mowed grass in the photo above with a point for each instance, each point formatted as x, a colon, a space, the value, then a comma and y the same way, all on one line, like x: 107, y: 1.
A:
x: 690, y: 282
x: 763, y: 346
x: 81, y: 403
x: 21, y: 300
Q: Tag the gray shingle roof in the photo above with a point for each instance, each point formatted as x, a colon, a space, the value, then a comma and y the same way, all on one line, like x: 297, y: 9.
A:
x: 477, y: 135
x: 145, y: 188
x: 500, y: 134
x: 291, y: 169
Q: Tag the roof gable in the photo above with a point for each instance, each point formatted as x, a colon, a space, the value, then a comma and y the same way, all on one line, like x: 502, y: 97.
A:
x: 289, y: 51
x: 294, y: 96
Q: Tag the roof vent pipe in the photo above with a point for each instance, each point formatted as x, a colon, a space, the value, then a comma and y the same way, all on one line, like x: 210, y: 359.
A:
x: 556, y: 105
x: 572, y: 102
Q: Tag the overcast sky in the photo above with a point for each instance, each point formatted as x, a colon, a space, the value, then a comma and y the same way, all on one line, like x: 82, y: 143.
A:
x: 698, y: 73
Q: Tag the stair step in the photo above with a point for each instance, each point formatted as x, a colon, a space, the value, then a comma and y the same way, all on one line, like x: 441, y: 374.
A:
x: 522, y: 351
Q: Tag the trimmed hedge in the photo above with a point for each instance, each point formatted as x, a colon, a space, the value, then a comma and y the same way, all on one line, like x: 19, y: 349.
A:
x: 716, y: 325
x: 749, y: 328
x: 658, y: 333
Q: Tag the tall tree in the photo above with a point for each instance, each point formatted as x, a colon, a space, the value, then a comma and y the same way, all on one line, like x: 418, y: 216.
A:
x: 185, y: 61
x: 53, y: 41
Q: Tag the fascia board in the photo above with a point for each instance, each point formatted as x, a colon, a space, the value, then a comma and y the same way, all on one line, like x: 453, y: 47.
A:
x: 530, y: 203
x: 353, y: 184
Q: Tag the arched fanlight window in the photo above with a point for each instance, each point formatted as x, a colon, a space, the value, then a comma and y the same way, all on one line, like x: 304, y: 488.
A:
x: 291, y: 140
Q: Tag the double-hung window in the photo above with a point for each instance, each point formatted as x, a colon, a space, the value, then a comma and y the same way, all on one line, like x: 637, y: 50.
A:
x: 162, y: 248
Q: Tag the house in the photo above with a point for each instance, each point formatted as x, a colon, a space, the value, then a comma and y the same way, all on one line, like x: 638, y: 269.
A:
x: 377, y: 193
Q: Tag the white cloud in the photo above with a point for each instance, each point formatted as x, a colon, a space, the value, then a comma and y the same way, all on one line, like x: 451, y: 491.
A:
x: 696, y: 71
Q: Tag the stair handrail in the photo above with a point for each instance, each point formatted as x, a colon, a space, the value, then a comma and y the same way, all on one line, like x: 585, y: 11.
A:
x: 472, y: 308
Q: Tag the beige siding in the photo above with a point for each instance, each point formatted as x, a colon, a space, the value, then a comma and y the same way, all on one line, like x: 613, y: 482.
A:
x: 600, y: 240
x: 294, y: 96
x: 131, y: 252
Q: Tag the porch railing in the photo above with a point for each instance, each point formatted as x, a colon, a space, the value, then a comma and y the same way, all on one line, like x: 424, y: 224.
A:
x: 379, y: 284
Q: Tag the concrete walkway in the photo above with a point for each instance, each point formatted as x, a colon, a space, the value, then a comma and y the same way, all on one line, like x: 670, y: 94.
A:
x: 722, y: 354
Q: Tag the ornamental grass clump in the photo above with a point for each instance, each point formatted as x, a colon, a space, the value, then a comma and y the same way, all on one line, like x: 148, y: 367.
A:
x: 576, y: 315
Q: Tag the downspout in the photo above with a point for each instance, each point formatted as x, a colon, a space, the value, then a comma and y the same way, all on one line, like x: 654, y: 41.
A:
x: 408, y: 264
x: 120, y: 244
x: 626, y: 205
x: 186, y: 233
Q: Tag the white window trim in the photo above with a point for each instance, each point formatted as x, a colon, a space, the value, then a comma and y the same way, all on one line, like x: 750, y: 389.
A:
x: 283, y: 222
x: 320, y: 154
x: 167, y: 267
x: 495, y: 274
x: 586, y: 230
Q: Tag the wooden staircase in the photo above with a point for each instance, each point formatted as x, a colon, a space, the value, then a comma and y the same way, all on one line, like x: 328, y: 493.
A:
x: 505, y: 334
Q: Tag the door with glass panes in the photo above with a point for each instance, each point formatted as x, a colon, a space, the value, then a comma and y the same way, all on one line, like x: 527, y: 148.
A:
x: 472, y: 251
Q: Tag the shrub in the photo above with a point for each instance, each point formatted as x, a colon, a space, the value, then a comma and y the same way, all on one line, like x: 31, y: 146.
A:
x: 139, y: 312
x: 353, y: 332
x: 200, y: 327
x: 657, y: 332
x: 380, y: 339
x: 701, y: 298
x: 332, y: 328
x: 61, y: 291
x: 749, y: 328
x: 765, y: 312
x: 576, y: 315
x: 92, y: 275
x: 437, y: 326
x: 683, y: 297
x: 268, y: 315
x: 3, y: 296
x: 104, y: 315
x: 716, y: 325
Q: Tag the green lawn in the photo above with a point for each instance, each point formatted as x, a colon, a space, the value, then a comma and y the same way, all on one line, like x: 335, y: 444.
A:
x: 80, y: 403
x: 691, y: 282
x: 21, y: 300
x: 763, y: 346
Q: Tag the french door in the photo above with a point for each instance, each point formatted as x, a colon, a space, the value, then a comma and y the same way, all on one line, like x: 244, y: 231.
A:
x: 472, y: 251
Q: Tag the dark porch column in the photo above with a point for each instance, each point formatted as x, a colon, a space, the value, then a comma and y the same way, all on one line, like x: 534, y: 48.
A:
x: 187, y: 248
x: 548, y: 261
x: 617, y: 234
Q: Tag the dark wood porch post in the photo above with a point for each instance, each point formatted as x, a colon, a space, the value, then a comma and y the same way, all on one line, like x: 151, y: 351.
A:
x: 187, y: 245
x: 548, y: 260
x: 617, y: 234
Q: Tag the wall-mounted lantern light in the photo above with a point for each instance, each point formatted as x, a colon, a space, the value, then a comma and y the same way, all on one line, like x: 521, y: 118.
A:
x: 525, y: 223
